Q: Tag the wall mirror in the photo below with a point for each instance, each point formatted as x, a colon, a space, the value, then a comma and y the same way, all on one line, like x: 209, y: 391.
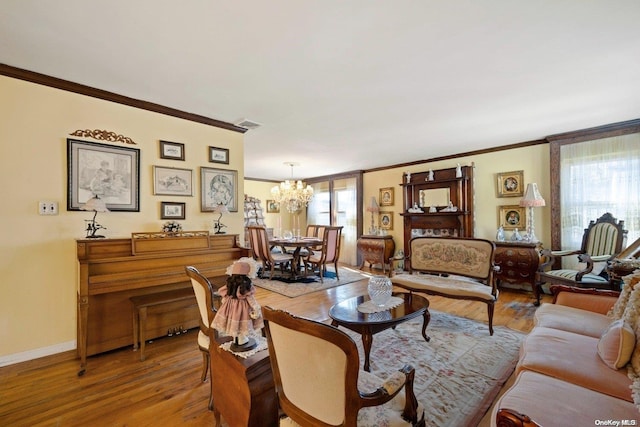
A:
x: 434, y: 197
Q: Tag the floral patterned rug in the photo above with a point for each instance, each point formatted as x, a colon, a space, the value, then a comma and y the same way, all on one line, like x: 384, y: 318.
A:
x: 458, y: 373
x: 311, y: 283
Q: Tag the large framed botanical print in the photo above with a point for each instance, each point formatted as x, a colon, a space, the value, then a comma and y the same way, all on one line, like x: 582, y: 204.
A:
x: 109, y: 172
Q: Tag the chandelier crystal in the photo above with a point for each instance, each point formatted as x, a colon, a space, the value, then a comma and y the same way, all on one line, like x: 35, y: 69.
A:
x: 291, y: 194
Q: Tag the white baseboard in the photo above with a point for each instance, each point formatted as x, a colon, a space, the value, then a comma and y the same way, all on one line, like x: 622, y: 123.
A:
x: 37, y: 353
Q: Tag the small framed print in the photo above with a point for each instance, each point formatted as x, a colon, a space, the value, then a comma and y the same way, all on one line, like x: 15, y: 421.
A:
x: 386, y: 196
x: 171, y: 150
x: 172, y: 210
x: 273, y: 206
x: 219, y: 155
x: 511, y: 217
x: 386, y: 220
x: 511, y: 184
x: 172, y: 181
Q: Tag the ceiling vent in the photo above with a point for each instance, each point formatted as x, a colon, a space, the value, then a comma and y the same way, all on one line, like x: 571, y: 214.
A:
x: 247, y: 124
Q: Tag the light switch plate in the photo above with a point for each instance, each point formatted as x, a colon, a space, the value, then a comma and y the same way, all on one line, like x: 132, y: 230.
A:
x: 48, y: 208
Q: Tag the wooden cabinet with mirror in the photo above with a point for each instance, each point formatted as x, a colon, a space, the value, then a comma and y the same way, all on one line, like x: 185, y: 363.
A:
x: 438, y: 203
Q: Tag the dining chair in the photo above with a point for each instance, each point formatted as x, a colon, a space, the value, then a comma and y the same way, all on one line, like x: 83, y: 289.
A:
x: 262, y: 253
x: 208, y: 302
x: 603, y: 239
x: 318, y: 380
x: 329, y: 253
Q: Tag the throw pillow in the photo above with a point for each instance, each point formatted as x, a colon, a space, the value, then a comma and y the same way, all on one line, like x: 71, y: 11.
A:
x: 616, y: 344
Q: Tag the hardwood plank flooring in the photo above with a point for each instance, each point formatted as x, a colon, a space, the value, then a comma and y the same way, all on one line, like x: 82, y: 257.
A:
x: 165, y: 389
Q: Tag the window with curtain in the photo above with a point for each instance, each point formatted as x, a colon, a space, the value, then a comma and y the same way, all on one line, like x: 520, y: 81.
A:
x: 596, y: 177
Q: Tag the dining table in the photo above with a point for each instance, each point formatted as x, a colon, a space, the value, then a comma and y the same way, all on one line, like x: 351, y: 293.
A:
x: 297, y: 243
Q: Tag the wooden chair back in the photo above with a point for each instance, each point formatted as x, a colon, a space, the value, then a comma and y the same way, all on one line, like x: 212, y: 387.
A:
x: 315, y: 369
x: 206, y: 297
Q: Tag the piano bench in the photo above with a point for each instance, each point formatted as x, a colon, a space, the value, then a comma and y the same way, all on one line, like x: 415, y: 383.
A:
x: 157, y: 303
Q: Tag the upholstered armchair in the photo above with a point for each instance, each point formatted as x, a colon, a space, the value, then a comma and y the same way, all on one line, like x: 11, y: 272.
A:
x: 317, y: 375
x: 208, y: 303
x: 602, y: 241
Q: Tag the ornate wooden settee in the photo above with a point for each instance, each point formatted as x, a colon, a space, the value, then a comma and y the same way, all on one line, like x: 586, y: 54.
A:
x: 459, y: 268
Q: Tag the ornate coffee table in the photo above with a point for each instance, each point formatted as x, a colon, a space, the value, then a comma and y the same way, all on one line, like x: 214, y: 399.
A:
x: 346, y: 314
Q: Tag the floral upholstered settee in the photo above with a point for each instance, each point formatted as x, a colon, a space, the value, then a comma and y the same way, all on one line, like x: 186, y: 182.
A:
x: 459, y: 268
x: 580, y: 364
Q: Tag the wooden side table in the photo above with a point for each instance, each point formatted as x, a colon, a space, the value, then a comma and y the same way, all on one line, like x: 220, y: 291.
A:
x: 518, y: 262
x: 243, y: 389
x: 376, y: 250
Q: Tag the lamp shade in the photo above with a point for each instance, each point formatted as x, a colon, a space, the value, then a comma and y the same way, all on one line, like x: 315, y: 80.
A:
x: 95, y: 204
x: 220, y: 209
x: 373, y: 206
x: 532, y: 197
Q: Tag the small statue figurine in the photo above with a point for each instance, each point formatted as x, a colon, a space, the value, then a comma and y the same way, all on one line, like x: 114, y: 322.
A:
x: 415, y: 209
x: 500, y: 234
x: 433, y: 209
x: 516, y: 237
x: 408, y: 177
x: 458, y: 171
x: 449, y: 208
x: 430, y: 177
x: 239, y: 315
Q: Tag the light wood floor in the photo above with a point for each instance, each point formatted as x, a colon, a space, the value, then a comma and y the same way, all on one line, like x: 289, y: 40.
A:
x: 119, y: 390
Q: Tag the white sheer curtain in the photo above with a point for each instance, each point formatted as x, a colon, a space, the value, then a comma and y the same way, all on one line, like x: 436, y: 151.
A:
x: 597, y: 177
x: 346, y: 215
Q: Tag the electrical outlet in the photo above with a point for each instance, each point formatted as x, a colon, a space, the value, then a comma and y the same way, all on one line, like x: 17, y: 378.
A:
x: 48, y: 208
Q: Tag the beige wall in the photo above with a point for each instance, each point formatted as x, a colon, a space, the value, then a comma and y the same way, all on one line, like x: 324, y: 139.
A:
x: 37, y: 253
x: 262, y: 190
x: 533, y: 160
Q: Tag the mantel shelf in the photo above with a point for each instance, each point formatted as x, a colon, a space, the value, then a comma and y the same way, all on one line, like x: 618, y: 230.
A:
x: 459, y: 212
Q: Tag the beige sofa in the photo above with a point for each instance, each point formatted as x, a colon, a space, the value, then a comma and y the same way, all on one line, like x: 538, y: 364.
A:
x: 579, y: 365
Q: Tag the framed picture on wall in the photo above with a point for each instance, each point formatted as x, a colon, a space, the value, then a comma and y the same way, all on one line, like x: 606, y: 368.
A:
x: 106, y: 171
x: 511, y: 217
x: 386, y: 196
x: 219, y: 155
x: 385, y: 219
x: 511, y: 184
x: 218, y: 186
x: 171, y: 150
x: 172, y: 181
x: 273, y: 206
x: 172, y: 210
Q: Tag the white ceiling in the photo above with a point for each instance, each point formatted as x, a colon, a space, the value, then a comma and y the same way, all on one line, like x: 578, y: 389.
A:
x: 341, y: 85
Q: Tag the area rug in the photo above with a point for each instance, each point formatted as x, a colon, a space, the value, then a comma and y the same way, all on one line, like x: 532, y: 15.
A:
x: 311, y: 283
x: 458, y: 373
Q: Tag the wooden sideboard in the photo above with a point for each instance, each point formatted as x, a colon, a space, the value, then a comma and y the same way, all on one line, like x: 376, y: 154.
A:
x: 376, y: 250
x: 111, y: 271
x: 518, y: 262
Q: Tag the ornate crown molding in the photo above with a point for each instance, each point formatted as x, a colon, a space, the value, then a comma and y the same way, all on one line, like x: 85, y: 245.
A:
x: 103, y: 135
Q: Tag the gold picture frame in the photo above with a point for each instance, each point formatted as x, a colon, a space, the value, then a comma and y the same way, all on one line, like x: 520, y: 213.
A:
x: 385, y: 219
x: 511, y: 217
x: 386, y: 196
x: 511, y: 184
x: 273, y: 206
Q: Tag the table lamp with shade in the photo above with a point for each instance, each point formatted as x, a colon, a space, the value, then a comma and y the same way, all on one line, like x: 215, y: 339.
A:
x: 239, y: 315
x: 532, y: 199
x: 374, y: 209
x: 217, y: 225
x: 96, y: 205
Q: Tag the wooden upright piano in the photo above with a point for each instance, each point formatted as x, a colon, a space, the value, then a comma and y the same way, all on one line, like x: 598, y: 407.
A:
x: 114, y: 270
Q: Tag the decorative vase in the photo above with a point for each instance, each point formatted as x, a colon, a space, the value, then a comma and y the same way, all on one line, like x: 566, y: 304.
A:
x: 379, y: 289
